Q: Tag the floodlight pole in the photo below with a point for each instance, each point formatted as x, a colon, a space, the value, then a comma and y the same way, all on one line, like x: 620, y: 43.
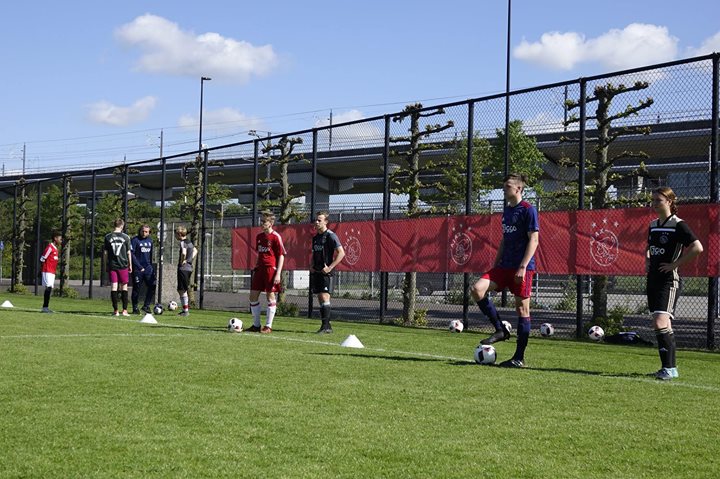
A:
x: 204, y: 207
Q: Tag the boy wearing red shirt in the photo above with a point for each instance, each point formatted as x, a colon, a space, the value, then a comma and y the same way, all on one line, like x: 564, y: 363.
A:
x: 49, y: 260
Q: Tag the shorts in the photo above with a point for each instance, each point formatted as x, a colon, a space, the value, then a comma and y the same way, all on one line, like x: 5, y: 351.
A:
x: 662, y: 294
x: 183, y: 280
x: 262, y: 280
x: 48, y: 279
x: 119, y: 276
x: 321, y: 283
x: 505, y: 278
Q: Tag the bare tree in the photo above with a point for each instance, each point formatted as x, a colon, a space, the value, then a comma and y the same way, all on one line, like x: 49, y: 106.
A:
x: 21, y: 230
x: 281, y: 155
x: 409, y: 180
x: 600, y: 176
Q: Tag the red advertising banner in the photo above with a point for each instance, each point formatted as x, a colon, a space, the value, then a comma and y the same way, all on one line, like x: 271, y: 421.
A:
x: 594, y: 242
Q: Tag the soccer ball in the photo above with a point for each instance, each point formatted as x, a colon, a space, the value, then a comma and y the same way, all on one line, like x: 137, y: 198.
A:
x: 234, y: 325
x: 547, y: 329
x: 508, y: 326
x: 172, y: 305
x: 485, y: 354
x: 456, y: 326
x: 158, y: 309
x: 596, y: 333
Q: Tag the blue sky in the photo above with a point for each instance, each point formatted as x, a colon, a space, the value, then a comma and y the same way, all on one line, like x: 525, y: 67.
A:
x: 87, y: 83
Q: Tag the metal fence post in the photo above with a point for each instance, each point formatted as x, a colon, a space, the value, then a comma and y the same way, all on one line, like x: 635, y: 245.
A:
x: 714, y: 198
x: 579, y: 279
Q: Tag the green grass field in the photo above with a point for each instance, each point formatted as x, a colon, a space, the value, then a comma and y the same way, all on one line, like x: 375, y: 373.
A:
x: 84, y: 394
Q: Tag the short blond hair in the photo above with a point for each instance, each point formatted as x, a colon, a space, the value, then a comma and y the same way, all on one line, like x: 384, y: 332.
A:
x: 181, y: 230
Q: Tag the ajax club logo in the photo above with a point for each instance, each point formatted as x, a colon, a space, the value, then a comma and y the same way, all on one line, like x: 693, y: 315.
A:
x: 352, y: 247
x: 460, y: 245
x: 604, y: 243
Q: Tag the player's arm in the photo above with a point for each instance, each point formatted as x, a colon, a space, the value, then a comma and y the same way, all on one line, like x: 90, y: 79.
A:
x: 135, y: 246
x: 338, y: 256
x: 129, y: 252
x: 689, y: 254
x: 530, y: 249
x: 278, y: 271
x: 45, y: 254
x: 189, y: 253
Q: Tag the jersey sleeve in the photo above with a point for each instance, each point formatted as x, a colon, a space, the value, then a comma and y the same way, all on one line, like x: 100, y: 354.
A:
x: 335, y: 241
x: 685, y: 234
x: 532, y: 219
x: 46, y: 253
x: 279, y: 246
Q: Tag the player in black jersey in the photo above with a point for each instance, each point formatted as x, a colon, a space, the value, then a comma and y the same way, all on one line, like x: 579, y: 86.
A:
x: 671, y: 243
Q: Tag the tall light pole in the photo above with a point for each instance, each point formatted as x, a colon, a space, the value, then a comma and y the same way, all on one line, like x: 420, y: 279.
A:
x: 204, y: 197
x: 202, y: 81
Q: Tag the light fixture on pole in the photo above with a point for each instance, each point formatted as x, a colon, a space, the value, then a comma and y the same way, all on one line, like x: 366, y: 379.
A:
x: 202, y: 81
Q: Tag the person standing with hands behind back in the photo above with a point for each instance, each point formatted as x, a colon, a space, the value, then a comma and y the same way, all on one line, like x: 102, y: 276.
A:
x: 49, y: 260
x: 185, y: 268
x: 117, y: 253
x: 671, y: 243
x: 327, y: 253
x: 267, y: 273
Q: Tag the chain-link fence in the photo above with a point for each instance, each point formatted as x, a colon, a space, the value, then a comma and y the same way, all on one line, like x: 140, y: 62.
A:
x: 600, y: 143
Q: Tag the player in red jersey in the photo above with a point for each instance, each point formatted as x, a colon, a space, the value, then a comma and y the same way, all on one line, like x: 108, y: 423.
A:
x: 49, y: 260
x: 266, y: 275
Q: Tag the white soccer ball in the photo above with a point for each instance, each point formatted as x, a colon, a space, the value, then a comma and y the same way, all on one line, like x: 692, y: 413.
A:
x: 172, y: 305
x: 158, y: 309
x: 485, y: 354
x: 547, y: 330
x: 235, y: 325
x: 596, y: 333
x: 508, y: 326
x: 456, y: 326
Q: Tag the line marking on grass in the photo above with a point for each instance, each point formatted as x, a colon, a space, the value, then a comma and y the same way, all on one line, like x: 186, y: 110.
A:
x: 312, y: 341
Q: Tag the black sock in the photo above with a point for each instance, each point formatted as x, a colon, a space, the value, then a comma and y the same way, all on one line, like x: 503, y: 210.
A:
x: 663, y: 339
x: 523, y: 336
x: 46, y: 297
x: 671, y: 359
x: 325, y: 315
x: 488, y: 309
x: 113, y: 297
x: 124, y: 297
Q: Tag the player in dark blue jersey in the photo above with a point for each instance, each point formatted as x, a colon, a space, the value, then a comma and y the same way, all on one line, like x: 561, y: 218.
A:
x: 514, y: 267
x: 671, y: 243
x: 143, y: 275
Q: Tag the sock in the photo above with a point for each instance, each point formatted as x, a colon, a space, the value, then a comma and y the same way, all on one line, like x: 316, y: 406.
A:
x: 488, y: 309
x: 113, y: 298
x: 124, y: 296
x: 325, y: 314
x: 185, y: 301
x: 150, y: 295
x: 523, y: 335
x: 271, y: 309
x: 663, y: 339
x: 135, y: 296
x: 255, y: 310
x: 46, y: 297
x: 671, y: 359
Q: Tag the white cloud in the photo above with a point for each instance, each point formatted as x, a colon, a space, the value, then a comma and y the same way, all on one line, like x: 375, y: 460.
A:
x: 637, y: 44
x: 170, y: 50
x: 222, y: 121
x: 109, y: 114
x: 709, y: 45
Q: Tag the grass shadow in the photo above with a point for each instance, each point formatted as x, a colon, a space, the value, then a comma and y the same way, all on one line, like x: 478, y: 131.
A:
x: 379, y: 356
